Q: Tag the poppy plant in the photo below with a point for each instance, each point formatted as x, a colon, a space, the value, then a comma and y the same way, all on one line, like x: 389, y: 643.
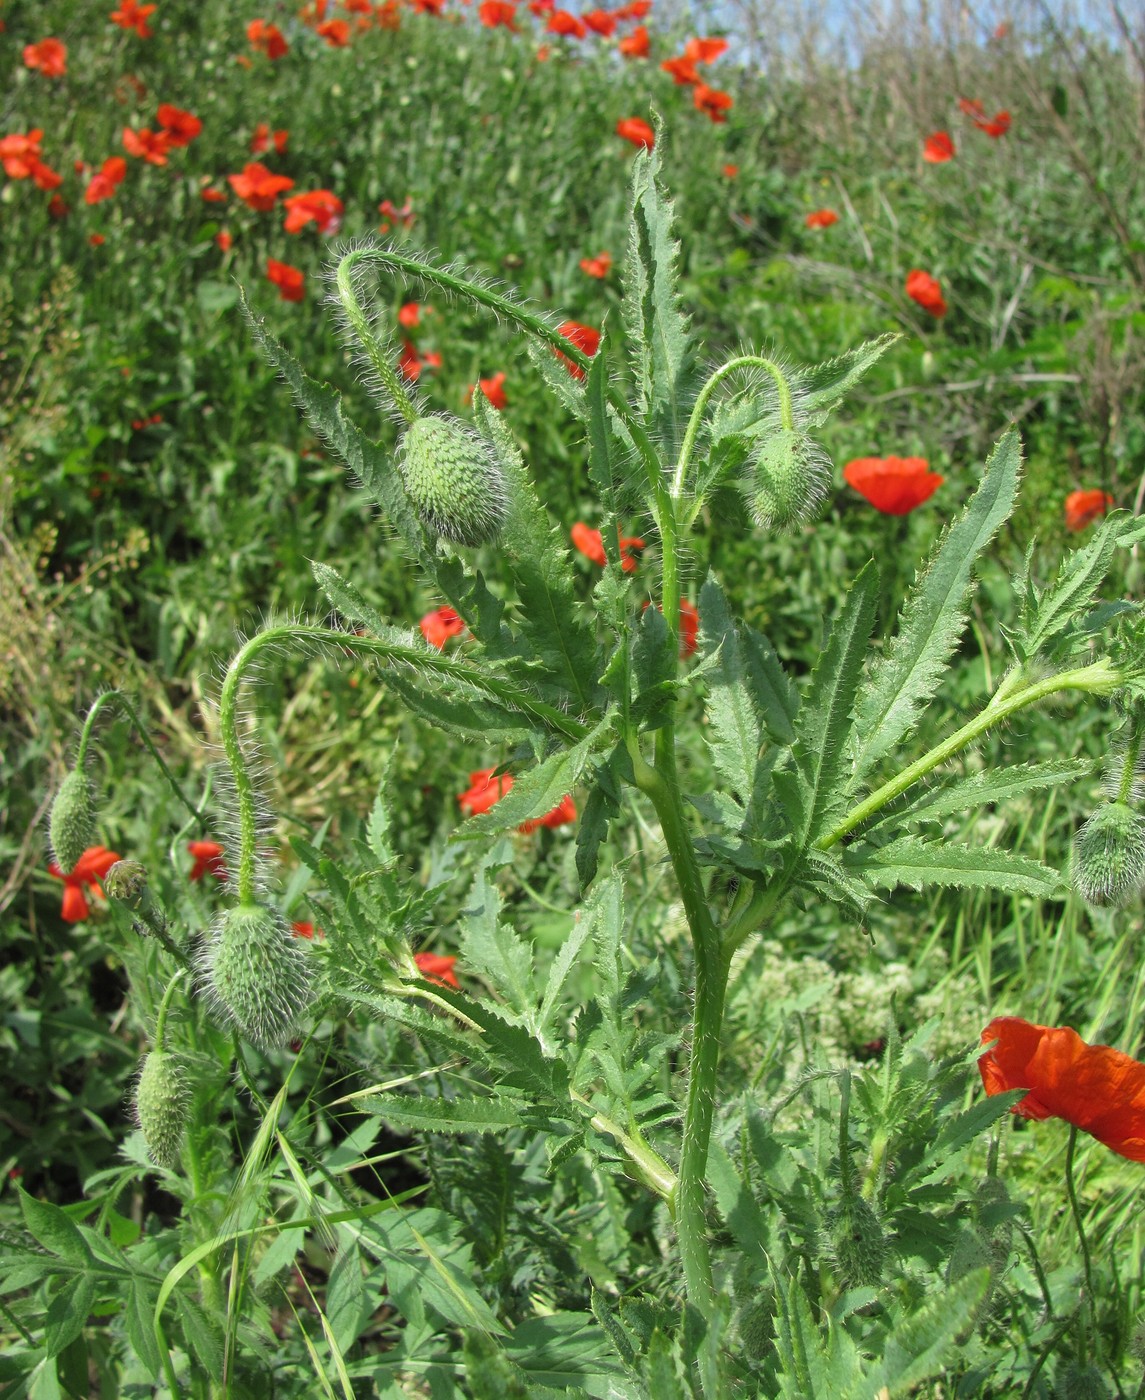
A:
x: 180, y: 127
x: 712, y: 101
x: 49, y: 57
x: 412, y: 363
x: 132, y: 15
x: 995, y: 127
x: 563, y: 813
x: 926, y: 290
x: 20, y: 153
x: 1093, y: 1087
x: 290, y: 281
x: 257, y: 187
x: 483, y: 792
x: 321, y: 207
x: 821, y: 218
x: 938, y: 148
x: 492, y: 13
x: 637, y: 44
x: 438, y: 626
x: 561, y: 22
x: 636, y: 130
x: 146, y: 144
x: 683, y: 70
x: 45, y: 178
x: 263, y: 136
x: 267, y: 39
x: 437, y: 967
x: 409, y: 315
x: 85, y: 876
x: 705, y: 50
x: 584, y: 338
x: 689, y: 626
x: 208, y: 858
x: 224, y: 240
x: 598, y: 266
x: 107, y: 179
x: 494, y: 390
x: 336, y: 32
x: 731, y: 171
x: 600, y: 22
x: 590, y: 542
x: 1084, y: 507
x: 636, y: 9
x: 893, y: 485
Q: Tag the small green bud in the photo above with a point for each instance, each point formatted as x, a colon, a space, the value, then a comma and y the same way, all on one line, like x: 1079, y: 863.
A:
x: 789, y: 475
x: 1078, y: 1382
x: 1109, y: 855
x: 855, y: 1243
x: 126, y: 882
x: 71, y: 823
x: 454, y: 481
x: 257, y: 974
x: 161, y: 1106
x: 756, y: 1327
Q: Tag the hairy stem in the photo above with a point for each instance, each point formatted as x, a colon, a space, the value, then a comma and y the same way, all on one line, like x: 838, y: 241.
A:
x: 1100, y: 678
x: 117, y: 700
x: 161, y: 1018
x: 376, y: 352
x: 1129, y: 765
x: 1071, y: 1191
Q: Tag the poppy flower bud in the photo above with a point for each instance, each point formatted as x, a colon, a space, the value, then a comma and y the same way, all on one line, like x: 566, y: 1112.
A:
x: 855, y: 1243
x: 1109, y: 855
x: 71, y: 822
x: 1078, y: 1382
x: 453, y: 480
x: 257, y: 974
x: 756, y: 1327
x: 126, y: 882
x: 161, y: 1106
x: 788, y: 480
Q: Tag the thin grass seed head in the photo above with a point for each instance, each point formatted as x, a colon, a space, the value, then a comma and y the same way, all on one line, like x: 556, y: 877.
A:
x: 161, y: 1106
x: 1109, y: 855
x: 454, y: 481
x: 257, y: 974
x: 71, y: 822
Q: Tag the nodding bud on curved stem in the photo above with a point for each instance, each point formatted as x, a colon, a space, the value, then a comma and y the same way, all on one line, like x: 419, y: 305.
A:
x: 161, y: 1106
x: 1109, y: 855
x: 257, y: 974
x: 789, y: 476
x: 454, y: 480
x: 71, y: 823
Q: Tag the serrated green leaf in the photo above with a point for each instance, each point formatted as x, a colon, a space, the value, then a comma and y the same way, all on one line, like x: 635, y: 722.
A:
x: 415, y: 1113
x: 734, y: 730
x: 822, y: 389
x: 68, y: 1313
x: 347, y: 1302
x: 917, y: 1348
x: 138, y: 1316
x: 540, y: 789
x: 932, y: 618
x: 562, y: 966
x: 736, y: 1204
x: 914, y: 863
x: 776, y: 697
x: 494, y: 948
x: 55, y: 1230
x: 202, y: 1335
x: 990, y: 786
x: 599, y: 810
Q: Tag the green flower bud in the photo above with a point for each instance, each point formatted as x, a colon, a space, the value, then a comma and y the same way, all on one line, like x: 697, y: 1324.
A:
x: 1078, y: 1382
x: 756, y: 1327
x: 257, y: 974
x: 71, y: 824
x: 789, y: 475
x: 855, y: 1243
x: 126, y: 882
x: 161, y: 1107
x: 1109, y: 855
x: 454, y: 481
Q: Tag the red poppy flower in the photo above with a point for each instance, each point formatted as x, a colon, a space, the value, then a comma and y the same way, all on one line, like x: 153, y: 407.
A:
x: 213, y: 196
x: 563, y: 813
x: 147, y: 145
x: 336, y: 32
x: 290, y: 281
x: 561, y: 22
x: 590, y: 542
x: 998, y: 126
x: 683, y: 70
x: 437, y: 967
x: 600, y: 22
x: 45, y: 178
x: 410, y: 314
x: 404, y: 216
x: 689, y: 626
x: 107, y: 179
x: 357, y: 7
x: 49, y: 57
x: 893, y: 485
x: 58, y: 208
x: 925, y: 289
x: 321, y: 207
x: 636, y: 130
x: 1093, y: 1087
x: 96, y: 240
x: 412, y: 362
x: 598, y: 266
x: 637, y: 44
x: 494, y: 390
x: 731, y: 171
x: 1084, y: 507
x: 584, y: 338
x: 821, y: 218
x: 494, y: 12
x: 712, y: 101
x: 258, y: 187
x: 88, y: 871
x: 938, y: 148
x: 541, y: 8
x: 387, y: 15
x: 705, y: 50
x: 636, y: 9
x: 303, y: 928
x: 267, y: 38
x: 484, y: 791
x: 224, y: 241
x: 132, y: 15
x: 438, y: 626
x: 20, y: 153
x: 208, y: 860
x: 180, y: 127
x: 263, y: 136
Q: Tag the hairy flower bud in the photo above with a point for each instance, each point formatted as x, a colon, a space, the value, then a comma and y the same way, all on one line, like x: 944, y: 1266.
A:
x: 454, y: 481
x: 257, y: 974
x: 71, y: 824
x: 789, y: 474
x: 855, y: 1243
x: 1078, y: 1382
x: 161, y: 1106
x: 1109, y: 855
x: 126, y: 882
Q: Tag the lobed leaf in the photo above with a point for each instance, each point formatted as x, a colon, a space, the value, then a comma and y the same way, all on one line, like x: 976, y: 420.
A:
x: 912, y: 862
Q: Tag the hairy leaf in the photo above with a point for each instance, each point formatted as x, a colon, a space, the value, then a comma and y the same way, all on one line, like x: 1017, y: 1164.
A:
x: 418, y: 1113
x: 734, y: 731
x: 914, y: 863
x: 992, y: 785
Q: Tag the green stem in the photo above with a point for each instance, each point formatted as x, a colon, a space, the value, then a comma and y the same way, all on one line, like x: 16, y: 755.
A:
x: 1099, y: 678
x: 782, y: 389
x: 1129, y: 767
x: 120, y: 701
x: 376, y: 352
x: 161, y: 1018
x: 245, y: 794
x: 1077, y: 1220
